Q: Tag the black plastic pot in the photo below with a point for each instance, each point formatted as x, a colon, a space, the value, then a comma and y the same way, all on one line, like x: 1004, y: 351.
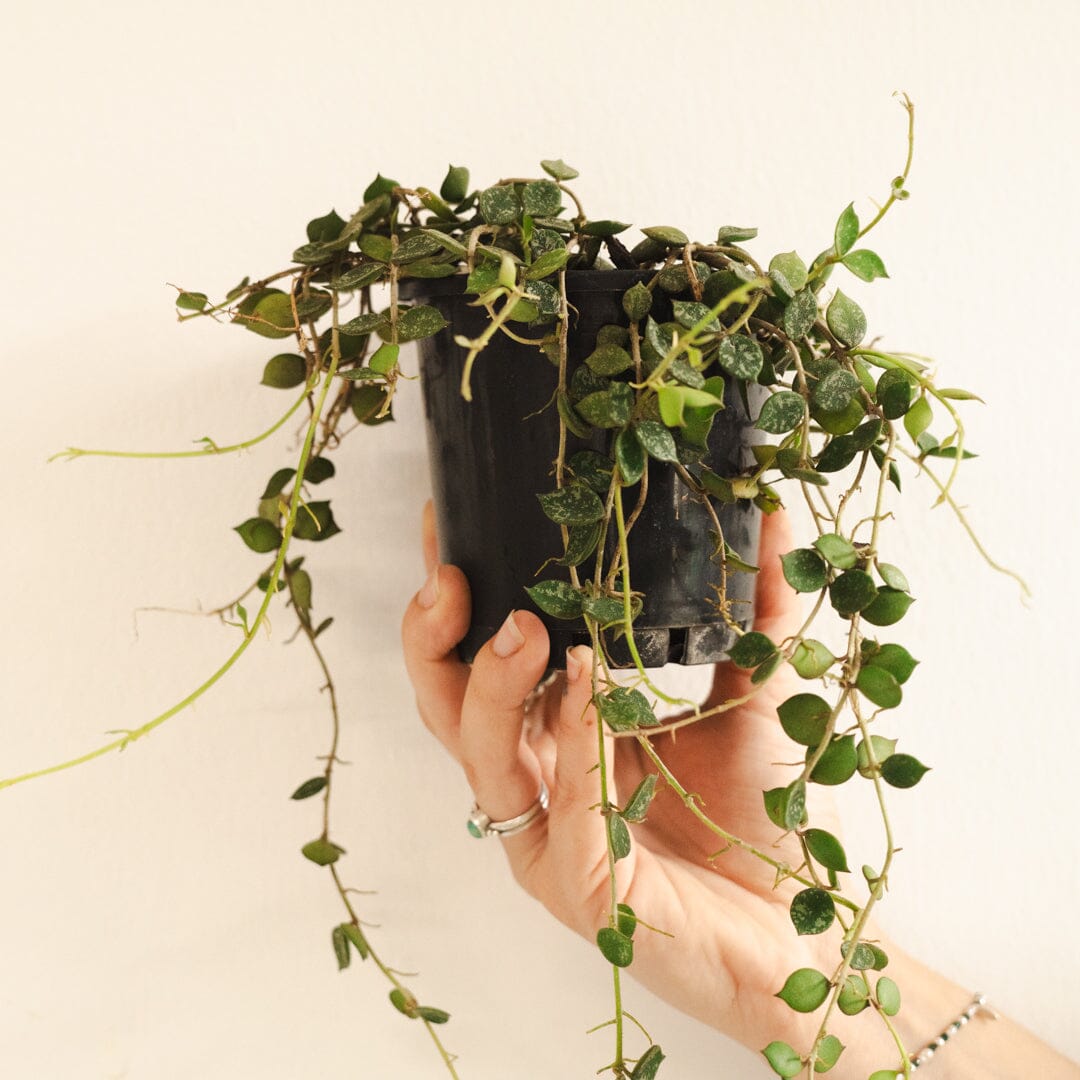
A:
x: 492, y: 456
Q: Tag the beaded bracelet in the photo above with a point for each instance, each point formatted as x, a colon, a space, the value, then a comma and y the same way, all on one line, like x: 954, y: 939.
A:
x: 977, y: 1005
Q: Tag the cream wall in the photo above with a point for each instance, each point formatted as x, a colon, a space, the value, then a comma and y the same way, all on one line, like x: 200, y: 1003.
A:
x: 156, y: 919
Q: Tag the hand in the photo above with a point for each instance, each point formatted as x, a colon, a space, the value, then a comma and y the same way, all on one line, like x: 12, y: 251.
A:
x: 733, y: 943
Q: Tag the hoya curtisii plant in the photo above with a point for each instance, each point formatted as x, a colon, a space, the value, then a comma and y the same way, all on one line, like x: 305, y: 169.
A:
x: 841, y: 415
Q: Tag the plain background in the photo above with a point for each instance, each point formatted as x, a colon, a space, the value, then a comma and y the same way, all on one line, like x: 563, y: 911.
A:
x: 156, y: 919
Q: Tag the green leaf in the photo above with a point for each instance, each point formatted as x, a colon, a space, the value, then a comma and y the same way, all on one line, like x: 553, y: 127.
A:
x: 888, y: 607
x: 805, y: 990
x: 581, y: 542
x: 846, y: 232
x: 846, y: 319
x: 623, y: 709
x: 419, y: 322
x: 837, y: 765
x: 606, y: 610
x: 804, y: 718
x: 593, y: 470
x: 547, y: 264
x: 865, y: 264
x: 827, y: 850
x: 541, y: 199
x: 888, y: 996
x: 609, y: 360
x: 828, y: 1053
x: 604, y: 229
x: 799, y: 315
x: 617, y: 948
x: 558, y: 168
x: 404, y: 1002
x: 432, y: 1015
x: 368, y: 402
x: 741, y: 356
x: 376, y: 246
x: 782, y: 1059
x: 751, y: 649
x: 381, y: 185
x: 570, y: 419
x: 861, y: 959
x: 630, y: 456
x: 572, y: 505
x: 894, y: 393
x: 341, y: 947
x: 276, y: 484
x: 812, y: 659
x: 853, y: 591
x: 301, y: 590
x: 788, y: 272
x: 608, y: 408
x: 666, y: 234
x: 812, y: 911
x: 618, y: 837
x: 456, y: 185
x: 735, y: 234
x: 837, y: 551
x: 648, y: 1064
x: 781, y: 413
x: 657, y: 440
x: 499, y: 205
x: 883, y: 748
x: 678, y: 404
x: 853, y: 998
x: 356, y: 937
x: 259, y: 534
x: 318, y: 469
x: 903, y: 770
x: 315, y: 521
x: 272, y: 316
x: 637, y: 806
x: 192, y: 301
x: 786, y: 806
x: 322, y: 852
x: 637, y: 302
x: 880, y: 687
x: 836, y: 391
x: 385, y: 358
x: 918, y: 418
x: 804, y: 570
x: 895, y: 659
x: 309, y: 788
x: 558, y: 599
x: 625, y: 920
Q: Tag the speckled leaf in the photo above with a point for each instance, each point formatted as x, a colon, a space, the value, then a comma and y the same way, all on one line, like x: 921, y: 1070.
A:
x: 623, y: 709
x: 799, y: 315
x: 657, y: 440
x: 558, y: 168
x: 846, y: 319
x: 847, y: 230
x: 812, y: 911
x: 559, y: 599
x: 499, y: 205
x: 781, y: 413
x: 865, y: 264
x: 618, y: 837
x: 741, y: 356
x: 804, y: 570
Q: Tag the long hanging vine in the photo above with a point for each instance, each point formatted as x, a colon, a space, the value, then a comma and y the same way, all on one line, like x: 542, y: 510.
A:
x: 834, y: 406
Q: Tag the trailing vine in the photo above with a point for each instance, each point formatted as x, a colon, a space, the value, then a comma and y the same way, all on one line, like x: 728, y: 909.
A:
x: 832, y: 404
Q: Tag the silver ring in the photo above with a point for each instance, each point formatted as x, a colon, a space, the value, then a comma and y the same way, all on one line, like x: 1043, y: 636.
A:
x: 481, y: 826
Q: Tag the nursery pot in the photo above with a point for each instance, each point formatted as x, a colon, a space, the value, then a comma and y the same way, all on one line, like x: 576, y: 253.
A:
x: 491, y: 457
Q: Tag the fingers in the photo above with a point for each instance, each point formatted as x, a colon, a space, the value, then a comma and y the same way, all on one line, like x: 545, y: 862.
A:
x: 502, y: 771
x: 777, y: 611
x: 577, y: 838
x: 429, y: 537
x: 435, y: 621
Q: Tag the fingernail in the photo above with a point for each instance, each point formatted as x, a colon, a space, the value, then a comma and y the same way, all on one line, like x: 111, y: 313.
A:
x: 427, y: 596
x: 509, y: 638
x: 573, y: 666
